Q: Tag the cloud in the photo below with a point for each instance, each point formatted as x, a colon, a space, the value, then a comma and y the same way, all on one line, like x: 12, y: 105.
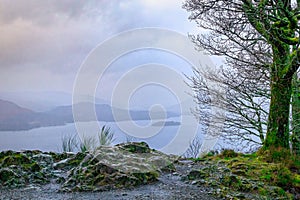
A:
x: 51, y: 38
x: 44, y: 12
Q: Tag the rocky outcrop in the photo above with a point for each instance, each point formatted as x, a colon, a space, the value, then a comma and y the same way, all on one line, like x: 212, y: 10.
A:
x: 20, y: 168
x: 226, y: 176
x: 242, y: 177
x: 122, y: 166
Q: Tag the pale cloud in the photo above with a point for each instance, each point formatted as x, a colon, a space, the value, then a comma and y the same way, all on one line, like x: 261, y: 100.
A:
x: 43, y: 43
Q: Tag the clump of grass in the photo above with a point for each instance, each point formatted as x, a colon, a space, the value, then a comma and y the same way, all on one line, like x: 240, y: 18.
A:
x: 88, y: 143
x: 106, y: 136
x: 71, y: 143
x: 228, y: 153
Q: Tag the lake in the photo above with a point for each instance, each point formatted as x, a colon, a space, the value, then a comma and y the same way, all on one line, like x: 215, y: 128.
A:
x: 50, y: 138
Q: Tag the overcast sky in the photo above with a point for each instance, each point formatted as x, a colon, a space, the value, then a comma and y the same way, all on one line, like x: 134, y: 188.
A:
x: 43, y: 43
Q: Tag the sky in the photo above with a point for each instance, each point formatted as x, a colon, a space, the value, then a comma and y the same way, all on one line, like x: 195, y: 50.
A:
x: 44, y: 43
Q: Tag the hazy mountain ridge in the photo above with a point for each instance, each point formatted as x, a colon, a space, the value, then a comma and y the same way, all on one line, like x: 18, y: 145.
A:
x: 44, y: 101
x: 9, y: 110
x: 15, y: 118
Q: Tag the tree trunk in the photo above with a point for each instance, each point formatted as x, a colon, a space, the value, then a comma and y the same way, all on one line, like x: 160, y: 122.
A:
x: 295, y: 138
x: 278, y: 122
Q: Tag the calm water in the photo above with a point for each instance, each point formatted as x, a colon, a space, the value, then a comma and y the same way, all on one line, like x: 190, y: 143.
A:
x: 50, y: 138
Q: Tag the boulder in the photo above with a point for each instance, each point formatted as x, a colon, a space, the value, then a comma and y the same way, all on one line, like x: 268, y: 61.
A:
x: 121, y: 166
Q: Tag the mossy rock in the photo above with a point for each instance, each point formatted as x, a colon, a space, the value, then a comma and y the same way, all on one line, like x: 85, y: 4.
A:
x: 121, y: 166
x: 136, y: 147
x: 15, y: 159
x: 125, y: 181
x: 70, y: 162
x: 4, y: 154
x: 7, y: 174
x: 102, y: 176
x: 76, y: 159
x: 274, y: 192
x: 197, y: 174
x: 32, y: 153
x: 32, y: 167
x: 60, y: 156
x: 230, y: 180
x: 102, y: 168
x: 148, y: 177
x: 244, y: 167
x: 43, y: 159
x: 169, y: 168
x: 38, y: 177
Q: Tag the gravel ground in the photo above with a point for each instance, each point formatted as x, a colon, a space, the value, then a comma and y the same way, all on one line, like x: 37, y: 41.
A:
x: 169, y: 186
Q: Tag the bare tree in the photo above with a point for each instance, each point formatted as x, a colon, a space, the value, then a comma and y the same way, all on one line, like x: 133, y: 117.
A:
x: 194, y: 148
x: 246, y: 109
x: 261, y: 38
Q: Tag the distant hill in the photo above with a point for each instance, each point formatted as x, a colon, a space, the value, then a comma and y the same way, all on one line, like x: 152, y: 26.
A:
x: 44, y: 101
x: 15, y: 118
x: 104, y: 112
x: 10, y: 110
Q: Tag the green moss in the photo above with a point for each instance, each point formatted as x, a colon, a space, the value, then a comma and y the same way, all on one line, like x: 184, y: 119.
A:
x: 21, y: 160
x: 209, y: 154
x: 99, y: 178
x: 127, y: 181
x: 147, y: 177
x: 283, y: 177
x: 197, y: 174
x: 33, y: 167
x: 6, y: 175
x: 257, y: 173
x: 136, y: 147
x: 39, y: 178
x: 168, y: 167
x: 59, y: 156
x: 266, y: 175
x: 76, y: 160
x: 15, y: 159
x: 262, y: 191
x: 4, y: 154
x: 230, y: 181
x: 228, y: 153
